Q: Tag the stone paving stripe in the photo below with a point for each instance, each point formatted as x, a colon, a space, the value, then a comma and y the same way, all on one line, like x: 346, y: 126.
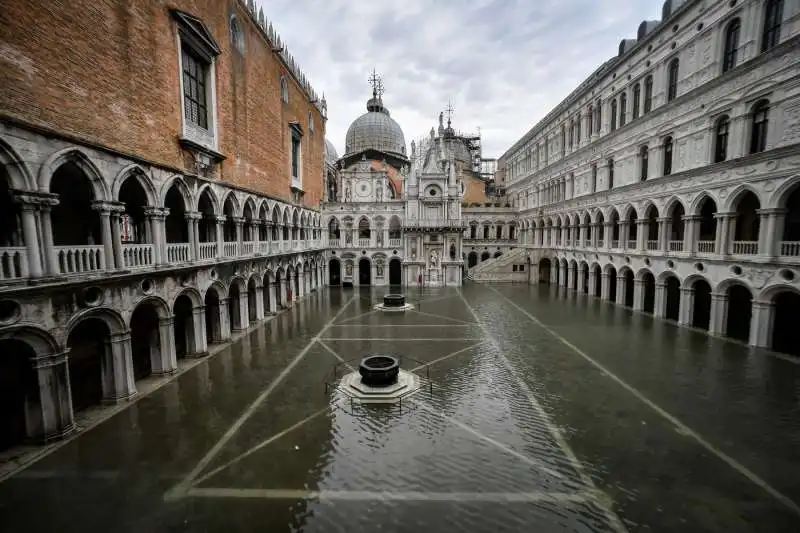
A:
x: 356, y: 495
x: 251, y: 409
x: 263, y: 443
x: 336, y: 355
x: 448, y: 356
x: 340, y: 325
x: 733, y: 463
x: 524, y: 458
x: 555, y: 431
x: 397, y: 339
x: 444, y: 317
x: 360, y: 315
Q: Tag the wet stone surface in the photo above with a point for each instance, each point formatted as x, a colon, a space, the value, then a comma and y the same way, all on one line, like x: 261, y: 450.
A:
x: 540, y: 411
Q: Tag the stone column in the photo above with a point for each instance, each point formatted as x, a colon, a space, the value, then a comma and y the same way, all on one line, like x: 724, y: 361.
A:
x: 622, y: 290
x: 48, y: 246
x: 259, y: 303
x: 221, y: 235
x: 659, y: 307
x: 31, y: 238
x: 224, y: 320
x: 50, y: 417
x: 282, y: 292
x: 690, y: 233
x: 624, y: 233
x: 117, y: 369
x: 199, y: 330
x: 608, y: 234
x: 570, y: 276
x: 641, y: 234
x: 761, y: 324
x: 722, y: 238
x: 583, y: 233
x: 592, y: 281
x: 193, y: 224
x: 663, y: 235
x: 166, y: 362
x: 155, y: 217
x: 116, y: 236
x: 595, y: 234
x: 719, y: 314
x: 638, y: 295
x: 244, y: 311
x: 605, y: 286
x: 686, y: 306
x: 768, y: 236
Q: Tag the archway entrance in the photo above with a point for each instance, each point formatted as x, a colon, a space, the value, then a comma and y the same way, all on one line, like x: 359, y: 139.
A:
x: 364, y: 274
x: 701, y: 314
x: 145, y: 342
x: 612, y: 284
x: 740, y: 309
x: 18, y: 386
x: 395, y: 272
x: 649, y: 282
x: 334, y: 272
x: 785, y: 333
x: 184, y: 326
x: 213, y: 323
x: 90, y: 344
x: 629, y: 288
x: 472, y: 259
x: 544, y: 270
x: 252, y: 312
x: 672, y: 291
x: 234, y: 309
x: 598, y: 281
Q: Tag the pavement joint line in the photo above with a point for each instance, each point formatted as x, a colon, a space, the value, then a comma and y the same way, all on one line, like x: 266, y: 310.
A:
x: 733, y: 463
x: 251, y: 409
x: 555, y: 431
x: 379, y: 495
x: 360, y: 315
x: 403, y: 325
x: 335, y: 354
x: 444, y: 317
x: 262, y: 444
x: 448, y: 356
x: 497, y: 444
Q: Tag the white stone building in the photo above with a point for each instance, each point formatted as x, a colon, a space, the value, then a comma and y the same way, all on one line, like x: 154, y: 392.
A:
x: 669, y: 180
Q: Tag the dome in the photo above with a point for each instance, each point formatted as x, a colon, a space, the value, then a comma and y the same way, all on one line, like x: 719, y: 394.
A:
x: 331, y: 156
x: 375, y: 130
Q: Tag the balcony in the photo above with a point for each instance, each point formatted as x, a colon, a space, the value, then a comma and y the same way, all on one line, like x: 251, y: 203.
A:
x: 435, y: 223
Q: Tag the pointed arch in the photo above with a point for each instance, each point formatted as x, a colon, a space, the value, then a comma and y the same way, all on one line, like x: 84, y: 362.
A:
x: 249, y: 205
x: 83, y: 162
x: 137, y: 173
x: 191, y: 293
x: 180, y: 184
x: 697, y: 203
x: 219, y: 287
x: 162, y: 308
x: 18, y: 173
x: 112, y: 318
x: 234, y: 203
x: 671, y: 204
x: 626, y: 210
x: 736, y: 195
x: 209, y: 193
x: 781, y: 194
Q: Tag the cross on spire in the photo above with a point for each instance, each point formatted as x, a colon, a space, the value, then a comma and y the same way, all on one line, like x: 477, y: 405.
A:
x: 449, y: 111
x: 377, y: 84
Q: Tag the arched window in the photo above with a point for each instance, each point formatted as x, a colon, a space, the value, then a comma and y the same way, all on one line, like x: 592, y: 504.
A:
x: 284, y: 90
x: 311, y: 122
x: 637, y: 96
x: 667, y: 156
x: 610, y: 164
x: 672, y: 79
x: 563, y: 139
x: 644, y: 159
x: 578, y: 128
x: 594, y: 177
x: 613, y: 115
x: 758, y: 127
x: 590, y: 118
x: 773, y: 16
x: 571, y: 133
x: 721, y: 139
x: 237, y: 37
x: 731, y: 44
x: 623, y: 109
x: 648, y: 93
x: 599, y: 121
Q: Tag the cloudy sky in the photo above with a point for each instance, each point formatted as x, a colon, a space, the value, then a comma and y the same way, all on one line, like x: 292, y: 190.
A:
x: 503, y: 63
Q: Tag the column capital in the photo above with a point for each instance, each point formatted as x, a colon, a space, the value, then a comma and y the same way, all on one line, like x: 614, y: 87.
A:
x: 120, y: 337
x: 664, y: 219
x: 105, y: 207
x: 50, y: 359
x: 220, y: 218
x: 166, y: 321
x: 717, y: 297
x: 156, y: 212
x: 727, y: 214
x: 193, y: 215
x: 691, y: 218
x: 34, y: 199
x: 238, y: 220
x: 758, y: 304
x: 772, y: 211
x: 199, y: 309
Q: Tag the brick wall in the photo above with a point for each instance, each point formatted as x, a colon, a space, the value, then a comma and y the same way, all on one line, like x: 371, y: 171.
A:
x: 106, y: 71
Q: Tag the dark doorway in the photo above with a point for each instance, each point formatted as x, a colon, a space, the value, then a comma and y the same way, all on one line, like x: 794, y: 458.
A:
x: 395, y: 272
x: 144, y: 340
x: 472, y: 259
x: 18, y: 385
x: 649, y: 303
x: 364, y: 274
x: 184, y: 326
x: 672, y: 295
x: 612, y: 285
x: 629, y: 288
x: 701, y: 314
x: 740, y: 310
x: 89, y: 342
x: 334, y: 272
x: 785, y: 333
x: 544, y: 271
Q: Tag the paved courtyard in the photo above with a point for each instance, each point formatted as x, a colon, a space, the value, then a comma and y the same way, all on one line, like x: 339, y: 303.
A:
x: 540, y: 411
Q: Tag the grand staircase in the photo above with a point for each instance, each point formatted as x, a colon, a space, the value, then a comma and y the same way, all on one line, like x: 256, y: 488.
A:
x: 500, y: 269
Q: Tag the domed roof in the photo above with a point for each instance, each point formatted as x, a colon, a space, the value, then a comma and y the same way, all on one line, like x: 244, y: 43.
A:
x: 331, y: 156
x: 375, y: 130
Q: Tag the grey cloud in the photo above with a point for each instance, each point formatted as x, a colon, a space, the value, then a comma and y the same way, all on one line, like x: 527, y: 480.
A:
x: 504, y: 63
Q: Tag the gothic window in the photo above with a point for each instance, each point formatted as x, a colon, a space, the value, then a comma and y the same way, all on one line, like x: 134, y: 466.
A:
x: 731, y: 45
x: 648, y: 93
x: 599, y: 108
x: 637, y: 95
x: 284, y: 90
x: 571, y: 133
x: 594, y: 177
x: 311, y: 122
x: 773, y: 17
x: 563, y: 139
x: 610, y: 163
x: 758, y: 127
x: 672, y: 79
x: 237, y: 37
x: 297, y: 151
x: 623, y: 108
x: 578, y: 128
x: 590, y: 118
x: 644, y: 159
x: 667, y: 156
x: 613, y: 115
x: 195, y: 93
x: 721, y: 139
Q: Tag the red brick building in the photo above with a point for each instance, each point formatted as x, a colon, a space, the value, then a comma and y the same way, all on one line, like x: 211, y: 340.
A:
x: 121, y: 75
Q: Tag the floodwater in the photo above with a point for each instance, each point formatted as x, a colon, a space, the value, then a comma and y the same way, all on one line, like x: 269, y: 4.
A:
x: 541, y: 411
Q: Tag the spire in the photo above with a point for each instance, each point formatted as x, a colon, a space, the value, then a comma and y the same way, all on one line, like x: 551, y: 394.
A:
x: 376, y: 102
x: 449, y: 132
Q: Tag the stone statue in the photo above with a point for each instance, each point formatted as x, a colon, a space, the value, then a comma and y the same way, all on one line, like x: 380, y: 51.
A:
x: 332, y: 189
x: 379, y: 270
x: 434, y: 259
x: 380, y: 191
x: 347, y: 193
x: 413, y: 148
x: 348, y: 269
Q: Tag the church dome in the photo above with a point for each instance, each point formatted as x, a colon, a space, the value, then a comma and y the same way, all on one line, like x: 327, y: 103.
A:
x: 331, y: 156
x: 375, y: 130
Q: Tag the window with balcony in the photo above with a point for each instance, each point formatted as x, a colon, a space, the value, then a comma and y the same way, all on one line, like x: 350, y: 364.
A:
x: 773, y: 17
x: 731, y: 45
x: 648, y: 93
x: 610, y: 164
x: 614, y: 115
x: 759, y: 121
x: 667, y: 169
x: 637, y: 96
x: 721, y: 138
x: 672, y: 79
x: 623, y: 109
x: 644, y: 160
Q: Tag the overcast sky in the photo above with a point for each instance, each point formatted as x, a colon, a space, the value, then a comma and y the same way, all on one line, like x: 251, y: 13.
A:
x: 503, y: 63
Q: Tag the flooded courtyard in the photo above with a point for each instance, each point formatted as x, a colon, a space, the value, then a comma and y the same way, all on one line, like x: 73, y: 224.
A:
x: 539, y: 411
